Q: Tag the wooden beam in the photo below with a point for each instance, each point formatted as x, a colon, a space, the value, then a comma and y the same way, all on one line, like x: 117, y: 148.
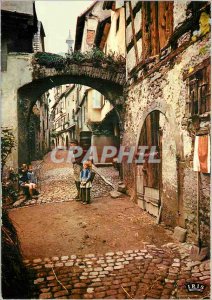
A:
x: 133, y: 30
x: 131, y: 43
x: 146, y: 45
x: 155, y: 42
x: 169, y: 57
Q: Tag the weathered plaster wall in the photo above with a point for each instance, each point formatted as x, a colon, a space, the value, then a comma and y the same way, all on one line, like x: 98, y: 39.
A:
x: 94, y: 115
x: 98, y: 14
x: 116, y: 39
x: 18, y: 73
x: 166, y: 90
x: 179, y: 12
x: 105, y: 109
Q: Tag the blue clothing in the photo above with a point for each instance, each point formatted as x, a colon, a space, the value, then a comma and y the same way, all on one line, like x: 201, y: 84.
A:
x: 23, y: 177
x: 85, y: 175
x: 31, y: 177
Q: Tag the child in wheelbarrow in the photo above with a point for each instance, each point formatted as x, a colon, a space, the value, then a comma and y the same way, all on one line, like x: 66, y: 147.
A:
x: 86, y: 178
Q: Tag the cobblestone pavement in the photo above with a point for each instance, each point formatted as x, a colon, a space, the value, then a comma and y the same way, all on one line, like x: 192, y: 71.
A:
x: 111, y: 175
x: 56, y: 183
x: 156, y: 273
x: 146, y: 273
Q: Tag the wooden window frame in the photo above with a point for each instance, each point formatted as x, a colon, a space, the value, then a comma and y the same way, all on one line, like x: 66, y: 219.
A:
x: 199, y: 91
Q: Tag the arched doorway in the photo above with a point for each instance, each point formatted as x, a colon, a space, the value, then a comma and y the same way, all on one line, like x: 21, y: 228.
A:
x: 149, y: 174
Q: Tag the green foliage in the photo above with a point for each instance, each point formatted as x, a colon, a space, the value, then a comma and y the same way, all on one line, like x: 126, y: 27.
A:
x: 203, y: 50
x: 7, y: 143
x: 95, y: 56
x: 54, y: 134
x: 50, y: 60
x: 100, y: 129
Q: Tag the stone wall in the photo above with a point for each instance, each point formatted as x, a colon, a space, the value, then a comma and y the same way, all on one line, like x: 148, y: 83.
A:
x: 166, y: 90
x: 18, y: 74
x: 190, y: 205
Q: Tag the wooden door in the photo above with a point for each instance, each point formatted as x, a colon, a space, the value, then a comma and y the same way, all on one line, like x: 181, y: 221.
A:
x: 149, y: 174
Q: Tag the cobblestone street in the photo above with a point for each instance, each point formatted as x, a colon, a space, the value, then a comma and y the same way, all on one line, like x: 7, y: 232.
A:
x: 149, y: 273
x: 56, y: 183
x: 82, y: 252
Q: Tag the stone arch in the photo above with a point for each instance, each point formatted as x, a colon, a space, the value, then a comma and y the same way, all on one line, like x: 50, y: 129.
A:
x: 176, y: 140
x: 108, y: 82
x: 168, y: 113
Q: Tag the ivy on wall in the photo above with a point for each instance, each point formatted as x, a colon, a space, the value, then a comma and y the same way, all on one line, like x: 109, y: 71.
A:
x: 7, y: 144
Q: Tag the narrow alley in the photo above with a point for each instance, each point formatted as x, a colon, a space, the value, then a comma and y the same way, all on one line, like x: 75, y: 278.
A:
x: 107, y: 249
x: 106, y: 149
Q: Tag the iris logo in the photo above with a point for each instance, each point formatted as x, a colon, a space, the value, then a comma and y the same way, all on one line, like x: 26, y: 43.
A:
x: 195, y: 287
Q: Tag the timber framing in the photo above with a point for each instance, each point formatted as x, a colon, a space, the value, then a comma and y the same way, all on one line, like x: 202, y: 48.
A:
x: 138, y: 36
x: 135, y: 10
x: 190, y: 24
x: 133, y: 30
x: 144, y: 64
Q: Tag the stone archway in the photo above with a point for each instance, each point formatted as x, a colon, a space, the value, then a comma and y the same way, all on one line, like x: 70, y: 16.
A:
x: 149, y: 174
x: 108, y: 82
x: 172, y: 211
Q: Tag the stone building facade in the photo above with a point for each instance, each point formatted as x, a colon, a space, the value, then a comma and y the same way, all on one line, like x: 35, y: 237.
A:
x: 19, y: 25
x: 162, y: 60
x: 39, y: 128
x: 62, y: 115
x: 102, y: 27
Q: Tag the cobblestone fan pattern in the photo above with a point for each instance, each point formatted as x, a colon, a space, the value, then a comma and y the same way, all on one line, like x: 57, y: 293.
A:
x: 57, y: 185
x: 140, y: 274
x: 111, y: 174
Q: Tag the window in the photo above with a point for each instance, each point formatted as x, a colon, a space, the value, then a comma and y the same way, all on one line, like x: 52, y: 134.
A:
x: 90, y: 37
x: 157, y: 26
x: 117, y: 23
x: 199, y: 91
x: 97, y: 100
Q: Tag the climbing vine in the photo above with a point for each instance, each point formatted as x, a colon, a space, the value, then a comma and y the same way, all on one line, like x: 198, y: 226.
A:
x: 7, y: 144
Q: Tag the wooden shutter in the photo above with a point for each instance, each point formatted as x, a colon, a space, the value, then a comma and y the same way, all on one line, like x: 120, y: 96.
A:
x: 208, y: 100
x: 204, y: 90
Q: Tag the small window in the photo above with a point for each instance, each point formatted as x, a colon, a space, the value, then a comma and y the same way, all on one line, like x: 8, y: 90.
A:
x: 117, y: 24
x: 199, y: 92
x: 90, y: 37
x: 97, y: 100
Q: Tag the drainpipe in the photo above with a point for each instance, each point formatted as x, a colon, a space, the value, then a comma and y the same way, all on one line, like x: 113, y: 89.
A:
x: 178, y: 185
